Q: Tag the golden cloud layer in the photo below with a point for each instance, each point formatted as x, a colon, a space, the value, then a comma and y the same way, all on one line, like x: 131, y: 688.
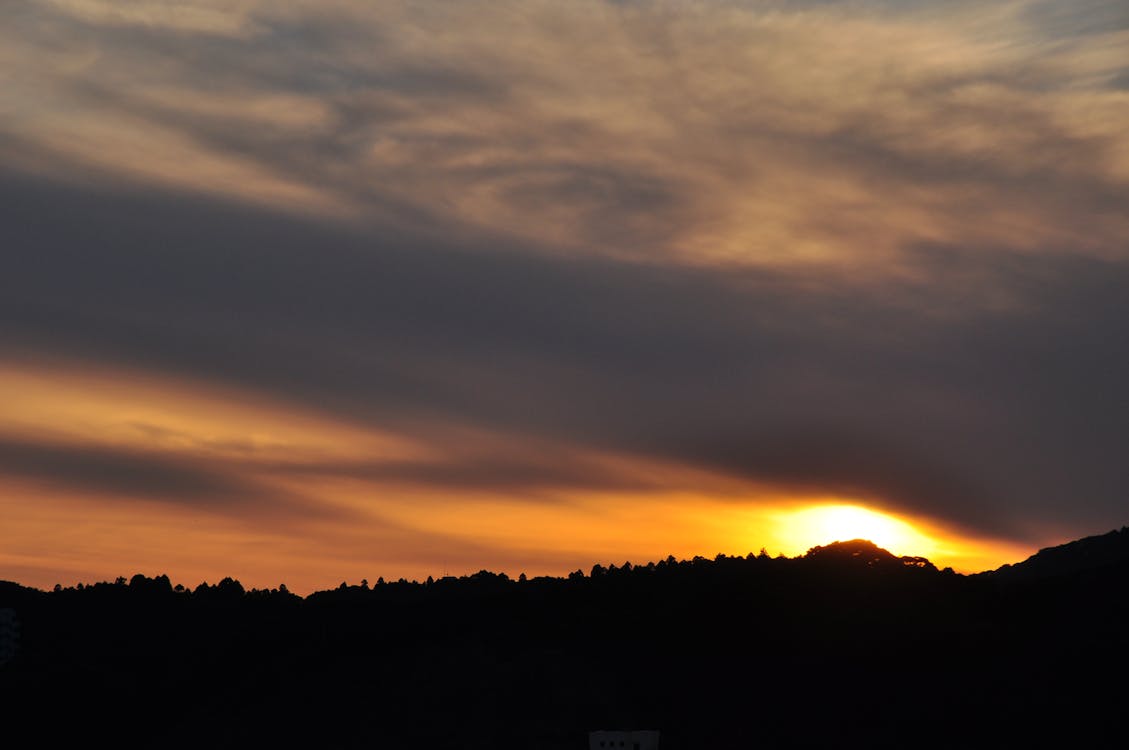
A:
x: 104, y: 473
x: 746, y: 132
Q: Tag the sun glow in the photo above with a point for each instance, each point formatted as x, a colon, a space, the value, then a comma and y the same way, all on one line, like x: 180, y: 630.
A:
x: 269, y: 491
x: 823, y: 524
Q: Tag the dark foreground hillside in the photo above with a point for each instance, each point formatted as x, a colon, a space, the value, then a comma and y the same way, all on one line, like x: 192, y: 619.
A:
x: 846, y: 647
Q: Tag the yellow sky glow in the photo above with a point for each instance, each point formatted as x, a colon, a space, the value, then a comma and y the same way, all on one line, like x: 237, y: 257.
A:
x: 364, y: 527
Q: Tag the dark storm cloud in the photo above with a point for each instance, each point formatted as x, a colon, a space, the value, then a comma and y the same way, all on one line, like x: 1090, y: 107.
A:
x: 987, y: 389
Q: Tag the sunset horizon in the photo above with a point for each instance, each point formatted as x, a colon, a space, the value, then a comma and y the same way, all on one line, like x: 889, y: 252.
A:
x: 323, y: 291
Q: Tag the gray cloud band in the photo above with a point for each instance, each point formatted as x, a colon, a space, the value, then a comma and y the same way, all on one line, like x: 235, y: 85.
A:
x: 989, y: 416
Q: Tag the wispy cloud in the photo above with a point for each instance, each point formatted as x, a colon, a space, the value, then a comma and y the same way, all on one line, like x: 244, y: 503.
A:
x: 758, y: 132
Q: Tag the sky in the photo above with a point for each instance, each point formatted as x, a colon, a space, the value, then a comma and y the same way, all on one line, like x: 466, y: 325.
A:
x: 306, y: 292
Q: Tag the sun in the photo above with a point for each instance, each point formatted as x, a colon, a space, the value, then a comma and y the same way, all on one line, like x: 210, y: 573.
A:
x: 822, y: 524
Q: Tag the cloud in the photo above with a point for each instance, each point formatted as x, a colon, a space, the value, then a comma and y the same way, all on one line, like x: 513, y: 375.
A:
x: 490, y: 474
x: 866, y: 249
x: 751, y: 133
x: 187, y: 17
x: 124, y: 475
x: 900, y: 391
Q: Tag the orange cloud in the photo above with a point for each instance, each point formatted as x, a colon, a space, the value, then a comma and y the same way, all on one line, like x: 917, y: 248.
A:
x: 201, y: 453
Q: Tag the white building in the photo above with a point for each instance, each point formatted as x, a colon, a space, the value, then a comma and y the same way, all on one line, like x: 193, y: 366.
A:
x: 612, y: 740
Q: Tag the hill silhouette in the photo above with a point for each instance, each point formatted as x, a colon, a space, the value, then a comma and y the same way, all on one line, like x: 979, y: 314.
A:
x: 863, y: 552
x: 847, y: 646
x: 1089, y: 554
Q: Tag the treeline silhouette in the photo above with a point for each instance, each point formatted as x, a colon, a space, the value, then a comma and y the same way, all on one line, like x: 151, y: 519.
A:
x: 848, y: 645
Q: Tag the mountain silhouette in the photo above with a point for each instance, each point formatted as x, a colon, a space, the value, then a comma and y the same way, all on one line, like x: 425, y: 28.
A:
x: 1090, y: 554
x: 848, y: 645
